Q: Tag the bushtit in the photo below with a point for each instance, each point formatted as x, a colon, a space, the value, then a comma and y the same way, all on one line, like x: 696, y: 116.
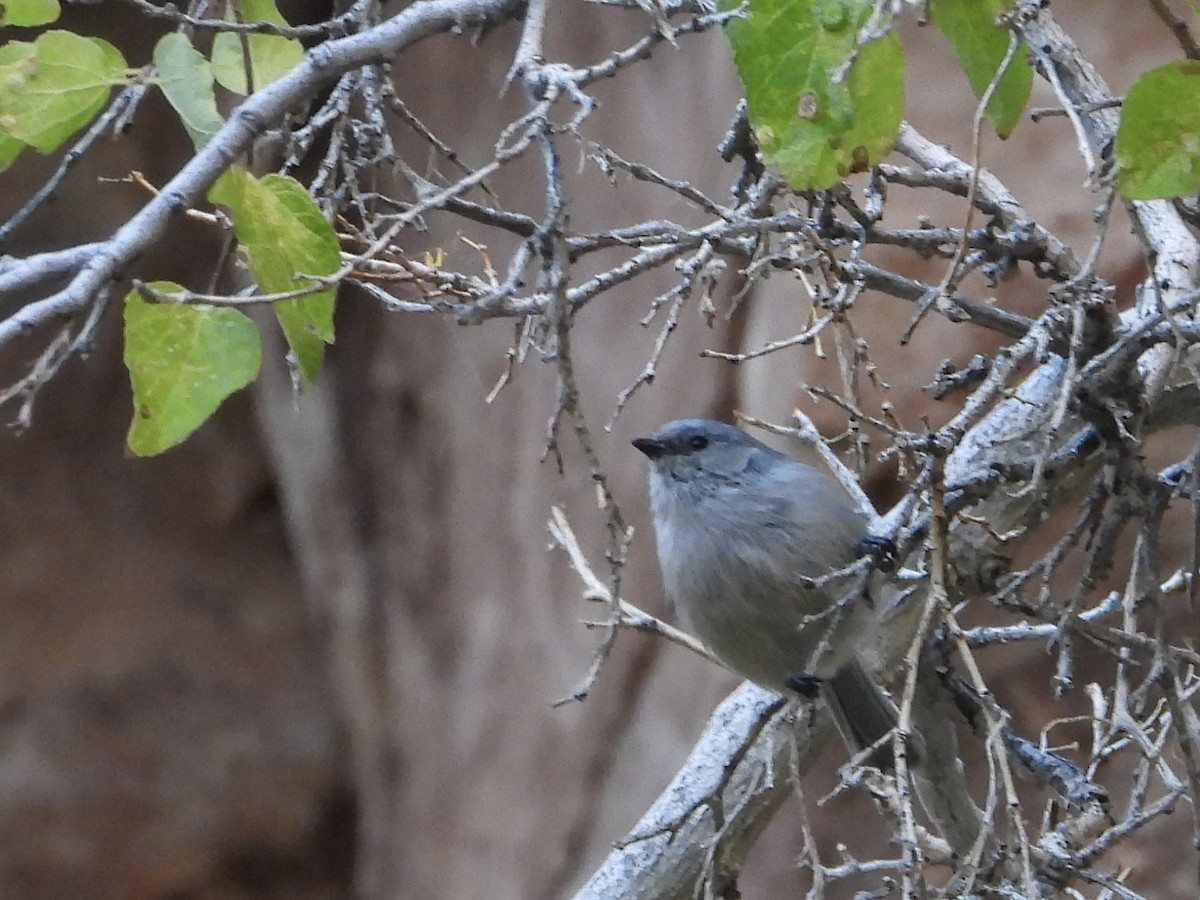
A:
x: 742, y: 530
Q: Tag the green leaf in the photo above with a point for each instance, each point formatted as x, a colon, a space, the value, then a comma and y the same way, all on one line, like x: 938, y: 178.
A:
x: 187, y: 83
x: 816, y: 124
x: 10, y: 148
x: 1158, y: 140
x: 981, y: 45
x: 51, y: 88
x: 271, y: 56
x: 28, y: 13
x: 284, y: 235
x: 183, y: 361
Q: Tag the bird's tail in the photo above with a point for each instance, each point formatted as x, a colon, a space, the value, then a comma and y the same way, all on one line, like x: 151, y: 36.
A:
x: 864, y: 714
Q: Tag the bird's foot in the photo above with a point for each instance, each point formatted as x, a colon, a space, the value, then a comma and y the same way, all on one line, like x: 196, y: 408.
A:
x: 803, y: 683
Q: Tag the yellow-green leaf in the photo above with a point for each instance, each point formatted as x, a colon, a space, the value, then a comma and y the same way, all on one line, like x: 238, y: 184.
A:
x: 271, y: 56
x: 54, y: 86
x: 812, y: 118
x: 981, y: 45
x: 183, y: 361
x: 10, y: 148
x: 285, y: 237
x: 1158, y: 140
x: 28, y: 13
x: 187, y: 83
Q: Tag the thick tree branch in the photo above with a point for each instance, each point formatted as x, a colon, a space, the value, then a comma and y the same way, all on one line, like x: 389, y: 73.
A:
x: 112, y: 259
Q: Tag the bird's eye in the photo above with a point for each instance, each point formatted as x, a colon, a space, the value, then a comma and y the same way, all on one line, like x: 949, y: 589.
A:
x: 698, y: 442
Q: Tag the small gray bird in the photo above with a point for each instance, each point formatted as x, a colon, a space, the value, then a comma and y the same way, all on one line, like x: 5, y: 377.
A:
x: 739, y: 528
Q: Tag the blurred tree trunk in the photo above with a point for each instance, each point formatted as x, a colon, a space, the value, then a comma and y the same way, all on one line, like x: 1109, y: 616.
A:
x: 155, y: 618
x: 418, y: 514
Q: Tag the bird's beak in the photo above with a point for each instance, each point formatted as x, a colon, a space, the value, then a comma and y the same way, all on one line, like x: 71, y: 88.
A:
x: 652, y: 448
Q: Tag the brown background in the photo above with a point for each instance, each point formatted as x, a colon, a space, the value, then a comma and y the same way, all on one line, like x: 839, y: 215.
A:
x: 331, y: 630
